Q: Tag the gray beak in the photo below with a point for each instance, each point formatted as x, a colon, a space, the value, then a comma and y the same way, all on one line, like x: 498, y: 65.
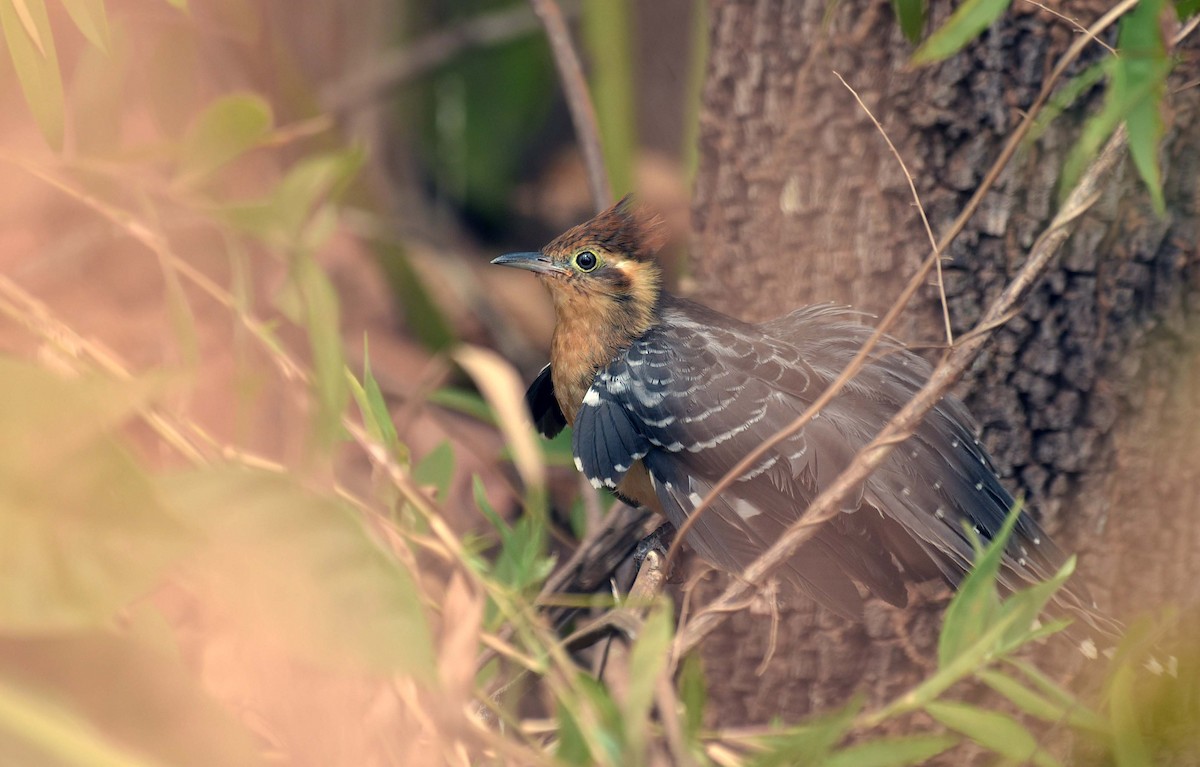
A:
x: 532, y: 261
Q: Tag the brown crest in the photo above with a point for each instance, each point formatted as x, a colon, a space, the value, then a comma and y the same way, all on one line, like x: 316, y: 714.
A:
x: 626, y: 228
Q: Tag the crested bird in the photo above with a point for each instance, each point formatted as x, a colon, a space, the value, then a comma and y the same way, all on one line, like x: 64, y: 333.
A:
x: 666, y: 395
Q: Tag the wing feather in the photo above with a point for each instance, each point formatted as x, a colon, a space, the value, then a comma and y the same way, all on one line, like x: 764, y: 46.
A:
x: 699, y: 391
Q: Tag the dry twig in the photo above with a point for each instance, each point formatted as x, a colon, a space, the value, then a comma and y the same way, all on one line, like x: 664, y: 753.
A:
x: 583, y: 114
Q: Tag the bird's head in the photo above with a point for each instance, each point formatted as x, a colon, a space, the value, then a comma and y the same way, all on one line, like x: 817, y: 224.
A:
x: 607, y: 262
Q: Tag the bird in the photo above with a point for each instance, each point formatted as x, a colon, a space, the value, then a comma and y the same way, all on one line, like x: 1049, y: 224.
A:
x: 665, y: 395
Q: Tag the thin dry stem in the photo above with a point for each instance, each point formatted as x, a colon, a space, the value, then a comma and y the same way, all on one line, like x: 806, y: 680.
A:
x: 579, y: 100
x: 912, y: 186
x: 1074, y: 22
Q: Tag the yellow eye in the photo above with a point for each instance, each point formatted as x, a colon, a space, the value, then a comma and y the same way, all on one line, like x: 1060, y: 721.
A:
x: 586, y: 261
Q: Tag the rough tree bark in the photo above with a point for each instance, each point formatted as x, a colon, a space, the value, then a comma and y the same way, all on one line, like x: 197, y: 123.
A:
x: 1087, y: 399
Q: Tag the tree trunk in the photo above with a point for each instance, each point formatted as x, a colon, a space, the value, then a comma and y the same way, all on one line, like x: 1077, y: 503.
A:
x: 1087, y: 400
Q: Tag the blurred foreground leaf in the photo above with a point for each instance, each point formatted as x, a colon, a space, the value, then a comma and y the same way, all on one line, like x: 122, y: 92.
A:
x: 436, y: 469
x: 808, y: 743
x: 321, y: 319
x: 226, y: 129
x: 279, y: 219
x: 892, y: 752
x: 100, y: 699
x: 646, y: 662
x: 31, y: 47
x: 83, y: 529
x: 373, y: 408
x: 90, y: 19
x: 302, y: 568
x: 998, y: 732
x: 504, y: 390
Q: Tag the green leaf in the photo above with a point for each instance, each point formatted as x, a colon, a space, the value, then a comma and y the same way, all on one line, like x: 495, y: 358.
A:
x: 1067, y: 95
x: 969, y: 660
x: 808, y: 743
x: 911, y: 15
x: 325, y: 341
x: 228, y: 128
x: 572, y: 747
x: 1134, y: 97
x: 59, y: 705
x: 1186, y: 9
x: 436, y: 469
x: 1146, y: 128
x: 976, y: 606
x: 647, y: 659
x: 463, y: 401
x: 301, y: 568
x: 310, y: 182
x: 1042, y: 707
x: 74, y: 503
x: 373, y: 407
x: 31, y: 46
x: 90, y: 19
x: 963, y: 26
x: 1143, y: 65
x: 892, y: 752
x: 281, y: 218
x: 522, y: 563
x: 1046, y: 685
x: 992, y: 730
x: 693, y: 694
x: 1028, y: 603
x: 1129, y: 748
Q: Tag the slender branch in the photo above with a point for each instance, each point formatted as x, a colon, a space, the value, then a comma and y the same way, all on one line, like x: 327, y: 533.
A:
x: 828, y: 504
x: 912, y: 186
x: 579, y: 100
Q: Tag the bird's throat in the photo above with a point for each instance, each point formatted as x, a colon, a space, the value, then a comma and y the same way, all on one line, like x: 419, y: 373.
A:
x: 591, y: 331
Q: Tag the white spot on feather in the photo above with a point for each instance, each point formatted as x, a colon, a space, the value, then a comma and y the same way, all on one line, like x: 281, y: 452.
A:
x: 579, y: 464
x: 745, y: 509
x: 592, y: 398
